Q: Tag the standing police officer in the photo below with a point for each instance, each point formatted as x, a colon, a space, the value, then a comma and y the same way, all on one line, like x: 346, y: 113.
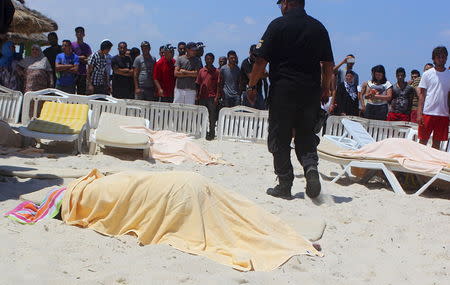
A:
x: 298, y: 49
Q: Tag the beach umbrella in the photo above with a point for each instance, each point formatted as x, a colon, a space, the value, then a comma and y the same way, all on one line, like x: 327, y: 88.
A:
x: 18, y: 38
x: 28, y: 21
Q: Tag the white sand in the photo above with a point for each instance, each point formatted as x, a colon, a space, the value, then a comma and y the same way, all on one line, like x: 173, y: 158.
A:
x: 372, y: 237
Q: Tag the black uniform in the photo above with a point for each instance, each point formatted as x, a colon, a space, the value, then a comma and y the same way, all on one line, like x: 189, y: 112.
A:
x: 294, y: 45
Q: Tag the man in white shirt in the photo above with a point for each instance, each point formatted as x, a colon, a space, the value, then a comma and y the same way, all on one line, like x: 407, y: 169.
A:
x: 434, y: 92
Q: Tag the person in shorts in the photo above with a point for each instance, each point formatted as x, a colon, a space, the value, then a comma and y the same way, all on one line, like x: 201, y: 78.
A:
x: 434, y: 92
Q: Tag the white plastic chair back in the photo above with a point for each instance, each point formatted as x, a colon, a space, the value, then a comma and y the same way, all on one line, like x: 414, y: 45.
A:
x: 357, y: 131
x: 97, y: 103
x: 181, y: 118
x: 10, y: 104
x: 243, y: 124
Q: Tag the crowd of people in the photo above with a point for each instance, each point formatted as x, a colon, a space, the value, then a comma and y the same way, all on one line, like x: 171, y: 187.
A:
x: 422, y: 99
x: 184, y: 74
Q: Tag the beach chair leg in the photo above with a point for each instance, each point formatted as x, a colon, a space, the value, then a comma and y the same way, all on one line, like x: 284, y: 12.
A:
x: 425, y: 187
x: 146, y: 153
x: 339, y: 176
x: 393, y: 181
x: 92, y: 148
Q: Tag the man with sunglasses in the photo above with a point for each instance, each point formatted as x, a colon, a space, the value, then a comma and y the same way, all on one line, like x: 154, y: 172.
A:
x: 298, y: 49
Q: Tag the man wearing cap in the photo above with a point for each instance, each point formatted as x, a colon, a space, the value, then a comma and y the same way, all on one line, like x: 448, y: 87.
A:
x: 163, y: 75
x: 143, y: 74
x: 186, y: 71
x: 298, y: 49
x: 201, y: 50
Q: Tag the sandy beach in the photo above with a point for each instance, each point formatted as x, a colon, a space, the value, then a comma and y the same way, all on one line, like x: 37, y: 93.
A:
x: 372, y: 235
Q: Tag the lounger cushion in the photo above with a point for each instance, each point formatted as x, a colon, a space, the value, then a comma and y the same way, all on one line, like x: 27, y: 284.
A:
x: 110, y: 132
x: 60, y: 118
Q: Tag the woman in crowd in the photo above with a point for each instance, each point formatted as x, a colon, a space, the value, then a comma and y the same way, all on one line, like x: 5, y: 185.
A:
x: 377, y: 92
x: 36, y: 70
x: 346, y: 100
x: 8, y: 76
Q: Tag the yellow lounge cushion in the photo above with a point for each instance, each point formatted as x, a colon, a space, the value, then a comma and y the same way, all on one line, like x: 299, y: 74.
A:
x: 60, y: 118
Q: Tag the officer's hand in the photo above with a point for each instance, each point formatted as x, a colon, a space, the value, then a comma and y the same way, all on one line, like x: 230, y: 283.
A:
x: 251, y: 96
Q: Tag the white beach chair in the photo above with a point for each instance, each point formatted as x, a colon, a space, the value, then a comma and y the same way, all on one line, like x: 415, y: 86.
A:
x: 110, y: 133
x: 329, y: 150
x: 51, y: 130
x: 97, y: 103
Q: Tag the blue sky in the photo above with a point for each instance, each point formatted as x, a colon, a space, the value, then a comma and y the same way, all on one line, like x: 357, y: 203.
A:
x: 389, y: 32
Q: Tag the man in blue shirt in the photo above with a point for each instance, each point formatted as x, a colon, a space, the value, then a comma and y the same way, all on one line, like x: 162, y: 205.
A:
x: 66, y: 66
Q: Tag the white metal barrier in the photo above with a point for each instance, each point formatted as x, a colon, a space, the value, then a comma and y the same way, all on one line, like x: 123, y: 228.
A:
x: 182, y: 118
x: 10, y: 105
x: 97, y: 104
x: 243, y: 124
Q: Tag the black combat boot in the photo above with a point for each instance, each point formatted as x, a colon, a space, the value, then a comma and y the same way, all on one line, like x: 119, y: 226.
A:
x: 282, y: 190
x: 313, y: 186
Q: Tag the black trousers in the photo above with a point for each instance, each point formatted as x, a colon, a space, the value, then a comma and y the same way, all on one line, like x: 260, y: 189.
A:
x: 101, y: 89
x: 293, y: 118
x: 81, y: 84
x: 122, y: 92
x: 212, y: 111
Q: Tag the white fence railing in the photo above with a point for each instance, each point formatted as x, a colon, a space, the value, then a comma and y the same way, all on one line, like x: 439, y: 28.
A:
x: 10, y: 105
x: 181, y: 118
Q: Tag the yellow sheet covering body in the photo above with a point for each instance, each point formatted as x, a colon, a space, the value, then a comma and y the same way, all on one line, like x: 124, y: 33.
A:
x: 186, y: 211
x: 60, y: 118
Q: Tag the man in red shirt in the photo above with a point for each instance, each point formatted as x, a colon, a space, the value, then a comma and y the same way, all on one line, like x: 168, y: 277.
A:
x: 207, y: 95
x: 164, y: 75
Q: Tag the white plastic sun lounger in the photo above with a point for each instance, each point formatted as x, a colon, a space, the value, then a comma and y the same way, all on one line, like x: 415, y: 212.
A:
x: 329, y: 150
x: 110, y: 133
x: 78, y: 138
